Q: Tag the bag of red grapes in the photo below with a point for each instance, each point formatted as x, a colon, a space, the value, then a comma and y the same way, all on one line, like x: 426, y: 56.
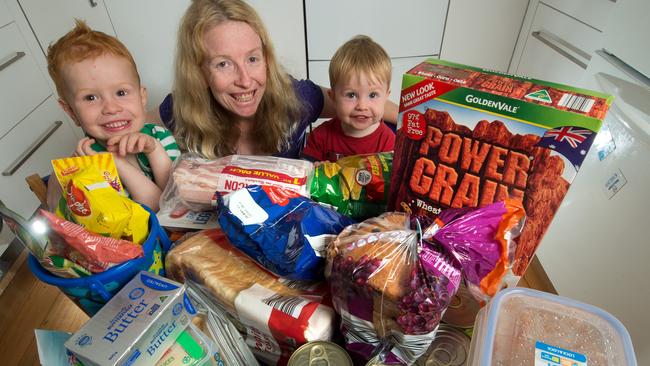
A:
x: 392, y: 276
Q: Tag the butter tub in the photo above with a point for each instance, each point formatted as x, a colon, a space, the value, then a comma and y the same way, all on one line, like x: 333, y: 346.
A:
x: 136, y: 326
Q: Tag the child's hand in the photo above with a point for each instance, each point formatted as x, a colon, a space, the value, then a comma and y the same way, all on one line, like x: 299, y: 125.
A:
x: 83, y: 147
x: 131, y: 144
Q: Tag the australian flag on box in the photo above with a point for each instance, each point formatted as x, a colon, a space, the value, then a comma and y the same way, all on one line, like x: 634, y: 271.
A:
x: 572, y: 142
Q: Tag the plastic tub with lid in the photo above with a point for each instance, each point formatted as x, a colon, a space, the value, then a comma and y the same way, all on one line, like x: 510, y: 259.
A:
x: 521, y: 326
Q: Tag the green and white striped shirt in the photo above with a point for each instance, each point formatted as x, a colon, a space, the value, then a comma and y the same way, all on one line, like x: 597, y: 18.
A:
x: 161, y: 134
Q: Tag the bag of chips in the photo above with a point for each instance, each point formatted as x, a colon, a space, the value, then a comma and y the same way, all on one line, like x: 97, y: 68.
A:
x: 94, y: 252
x: 355, y: 186
x: 93, y: 198
x: 31, y: 234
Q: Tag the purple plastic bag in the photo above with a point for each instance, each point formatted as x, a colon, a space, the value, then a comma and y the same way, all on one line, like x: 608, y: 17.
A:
x: 391, y: 288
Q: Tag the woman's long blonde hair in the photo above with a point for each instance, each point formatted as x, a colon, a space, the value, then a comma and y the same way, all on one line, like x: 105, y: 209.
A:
x: 202, y: 125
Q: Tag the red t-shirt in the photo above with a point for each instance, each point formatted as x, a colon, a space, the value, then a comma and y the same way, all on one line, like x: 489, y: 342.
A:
x: 328, y: 142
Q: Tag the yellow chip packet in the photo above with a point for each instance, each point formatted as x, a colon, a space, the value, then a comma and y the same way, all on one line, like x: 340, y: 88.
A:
x: 65, y: 167
x: 137, y: 229
x: 93, y: 201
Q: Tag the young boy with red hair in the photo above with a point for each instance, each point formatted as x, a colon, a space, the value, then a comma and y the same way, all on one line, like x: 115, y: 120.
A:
x: 99, y: 88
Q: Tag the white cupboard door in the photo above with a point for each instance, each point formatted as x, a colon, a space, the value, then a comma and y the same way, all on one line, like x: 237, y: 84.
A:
x: 577, y: 35
x: 558, y: 47
x: 28, y: 149
x: 403, y: 28
x: 592, y: 12
x: 52, y: 19
x: 22, y: 85
x: 5, y: 17
x: 152, y: 43
x: 284, y: 20
x: 473, y: 37
x: 626, y: 35
x: 541, y: 62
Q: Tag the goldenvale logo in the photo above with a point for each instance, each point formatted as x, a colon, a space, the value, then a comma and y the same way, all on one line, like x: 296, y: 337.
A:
x: 540, y: 96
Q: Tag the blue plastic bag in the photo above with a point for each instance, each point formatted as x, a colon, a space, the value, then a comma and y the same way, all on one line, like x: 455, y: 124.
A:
x: 283, y: 231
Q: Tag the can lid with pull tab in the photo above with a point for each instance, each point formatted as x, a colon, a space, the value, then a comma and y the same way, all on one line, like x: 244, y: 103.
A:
x: 320, y: 353
x: 450, y: 347
x: 462, y: 309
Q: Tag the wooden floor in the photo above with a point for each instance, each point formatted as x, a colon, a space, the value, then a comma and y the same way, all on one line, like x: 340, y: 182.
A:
x: 27, y: 304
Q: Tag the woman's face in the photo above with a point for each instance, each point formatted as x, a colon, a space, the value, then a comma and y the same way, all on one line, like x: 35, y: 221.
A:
x: 235, y: 67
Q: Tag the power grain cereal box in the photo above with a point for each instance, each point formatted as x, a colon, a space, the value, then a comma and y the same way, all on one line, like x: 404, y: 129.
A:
x: 469, y: 137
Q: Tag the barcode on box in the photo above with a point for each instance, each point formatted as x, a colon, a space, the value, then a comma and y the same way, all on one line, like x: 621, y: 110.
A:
x: 299, y: 285
x: 576, y: 102
x: 290, y: 305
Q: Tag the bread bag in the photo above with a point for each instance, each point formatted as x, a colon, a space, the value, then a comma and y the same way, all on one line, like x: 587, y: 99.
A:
x: 273, y: 314
x: 392, y: 279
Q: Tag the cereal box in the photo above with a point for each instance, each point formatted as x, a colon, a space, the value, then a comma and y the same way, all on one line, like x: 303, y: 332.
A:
x: 469, y: 137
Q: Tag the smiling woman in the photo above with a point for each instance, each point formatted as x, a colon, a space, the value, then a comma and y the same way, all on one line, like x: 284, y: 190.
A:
x: 230, y: 94
x: 236, y: 70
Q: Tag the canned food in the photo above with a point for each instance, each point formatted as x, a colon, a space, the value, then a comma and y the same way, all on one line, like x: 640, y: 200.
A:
x: 462, y: 309
x: 320, y: 353
x: 450, y: 347
x: 375, y: 362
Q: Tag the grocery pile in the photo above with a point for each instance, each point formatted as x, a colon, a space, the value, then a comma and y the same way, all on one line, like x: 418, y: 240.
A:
x: 377, y: 259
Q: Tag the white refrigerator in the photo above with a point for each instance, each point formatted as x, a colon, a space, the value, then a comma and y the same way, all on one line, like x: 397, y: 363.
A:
x: 597, y: 249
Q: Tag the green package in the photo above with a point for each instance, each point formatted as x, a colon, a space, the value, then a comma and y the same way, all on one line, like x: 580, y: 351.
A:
x: 355, y: 186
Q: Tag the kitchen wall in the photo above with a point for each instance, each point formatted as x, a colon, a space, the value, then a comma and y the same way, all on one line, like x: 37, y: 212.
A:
x: 466, y: 29
x: 476, y: 33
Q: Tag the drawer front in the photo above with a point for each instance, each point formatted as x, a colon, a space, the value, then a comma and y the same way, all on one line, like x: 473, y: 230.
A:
x: 569, y: 31
x: 558, y: 47
x: 22, y: 85
x: 403, y: 30
x: 319, y: 73
x: 15, y: 193
x: 541, y: 62
x: 593, y: 12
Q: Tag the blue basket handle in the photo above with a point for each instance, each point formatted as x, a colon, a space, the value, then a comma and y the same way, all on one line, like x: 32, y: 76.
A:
x: 159, y: 233
x: 99, y: 288
x: 165, y: 243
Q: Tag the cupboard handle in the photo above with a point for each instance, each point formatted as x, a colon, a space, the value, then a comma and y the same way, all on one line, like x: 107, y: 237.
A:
x: 93, y: 3
x: 11, y: 59
x: 559, y: 46
x: 31, y: 149
x: 625, y: 68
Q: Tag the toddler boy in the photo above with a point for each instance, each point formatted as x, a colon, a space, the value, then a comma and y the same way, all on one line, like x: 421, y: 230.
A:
x: 360, y: 73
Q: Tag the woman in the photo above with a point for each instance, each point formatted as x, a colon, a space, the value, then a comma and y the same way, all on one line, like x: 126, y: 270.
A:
x: 230, y: 95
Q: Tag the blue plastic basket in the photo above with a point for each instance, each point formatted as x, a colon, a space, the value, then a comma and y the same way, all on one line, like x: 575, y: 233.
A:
x: 92, y: 292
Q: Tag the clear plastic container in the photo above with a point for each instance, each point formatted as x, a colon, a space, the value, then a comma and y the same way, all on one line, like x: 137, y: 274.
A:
x: 527, y: 327
x: 192, y: 348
